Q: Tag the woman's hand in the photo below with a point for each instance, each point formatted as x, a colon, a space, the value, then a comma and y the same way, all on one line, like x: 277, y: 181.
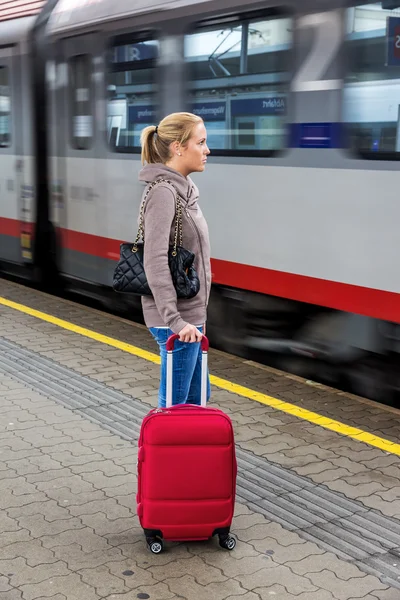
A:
x: 190, y: 333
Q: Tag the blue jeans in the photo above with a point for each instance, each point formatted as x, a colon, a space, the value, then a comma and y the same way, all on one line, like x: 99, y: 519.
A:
x: 186, y: 387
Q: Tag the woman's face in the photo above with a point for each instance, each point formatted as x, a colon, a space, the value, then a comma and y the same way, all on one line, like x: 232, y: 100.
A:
x: 194, y: 154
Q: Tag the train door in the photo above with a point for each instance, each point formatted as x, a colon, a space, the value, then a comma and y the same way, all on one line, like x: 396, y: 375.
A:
x: 82, y: 245
x: 11, y: 153
x: 56, y: 81
x: 27, y: 191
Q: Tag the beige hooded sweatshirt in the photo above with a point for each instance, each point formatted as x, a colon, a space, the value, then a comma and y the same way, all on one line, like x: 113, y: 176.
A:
x: 164, y: 309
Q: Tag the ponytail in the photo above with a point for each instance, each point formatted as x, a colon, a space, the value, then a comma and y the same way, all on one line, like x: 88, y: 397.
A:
x: 149, y: 148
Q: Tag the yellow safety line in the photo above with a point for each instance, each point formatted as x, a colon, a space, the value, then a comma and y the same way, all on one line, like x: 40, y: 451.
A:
x: 224, y: 384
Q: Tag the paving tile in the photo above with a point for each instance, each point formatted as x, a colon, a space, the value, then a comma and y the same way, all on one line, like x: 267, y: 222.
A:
x: 49, y: 475
x: 31, y: 550
x: 76, y: 503
x: 70, y: 450
x: 356, y: 491
x: 13, y: 537
x: 392, y: 471
x: 56, y: 597
x: 105, y: 582
x: 350, y: 465
x: 39, y: 527
x: 231, y: 565
x: 4, y: 584
x: 203, y: 572
x: 23, y: 574
x: 109, y: 506
x: 84, y: 538
x: 49, y: 508
x: 12, y: 594
x: 14, y: 453
x: 16, y: 484
x: 276, y: 553
x: 103, y: 526
x: 276, y: 532
x: 390, y: 509
x: 76, y: 558
x: 315, y: 468
x: 45, y: 463
x: 118, y: 577
x: 247, y: 521
x: 8, y: 524
x: 248, y: 596
x: 158, y: 591
x: 392, y: 495
x: 103, y: 481
x: 344, y: 589
x: 258, y: 531
x: 324, y: 561
x: 279, y: 592
x: 70, y: 586
x: 123, y: 539
x: 107, y: 468
x: 328, y: 476
x: 377, y: 477
x: 273, y: 574
x: 388, y: 594
x: 194, y: 591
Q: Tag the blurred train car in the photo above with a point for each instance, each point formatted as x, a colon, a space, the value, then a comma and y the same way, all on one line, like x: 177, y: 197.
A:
x: 302, y: 108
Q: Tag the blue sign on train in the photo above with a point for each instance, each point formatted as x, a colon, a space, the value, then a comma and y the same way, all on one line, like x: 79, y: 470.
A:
x: 142, y: 114
x: 210, y: 111
x: 259, y: 106
x: 135, y: 52
x: 393, y: 41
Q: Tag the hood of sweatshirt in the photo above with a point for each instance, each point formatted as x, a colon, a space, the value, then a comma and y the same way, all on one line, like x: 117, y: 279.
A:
x: 185, y: 186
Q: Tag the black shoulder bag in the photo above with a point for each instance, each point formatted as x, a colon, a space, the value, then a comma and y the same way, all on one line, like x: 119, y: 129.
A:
x: 129, y: 274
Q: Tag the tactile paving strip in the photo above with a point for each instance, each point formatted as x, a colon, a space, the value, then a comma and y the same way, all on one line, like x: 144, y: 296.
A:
x: 345, y: 527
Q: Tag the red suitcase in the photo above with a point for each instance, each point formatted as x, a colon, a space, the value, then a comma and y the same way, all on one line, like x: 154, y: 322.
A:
x: 186, y: 470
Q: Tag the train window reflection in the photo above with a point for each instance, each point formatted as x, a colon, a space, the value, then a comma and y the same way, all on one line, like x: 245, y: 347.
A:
x: 5, y: 108
x: 238, y: 74
x: 81, y: 102
x: 131, y: 92
x: 372, y: 86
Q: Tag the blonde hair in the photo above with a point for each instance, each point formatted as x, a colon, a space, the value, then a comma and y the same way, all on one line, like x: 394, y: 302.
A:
x: 155, y: 141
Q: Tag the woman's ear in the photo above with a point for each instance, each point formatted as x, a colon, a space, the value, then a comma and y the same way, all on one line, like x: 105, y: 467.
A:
x: 175, y: 148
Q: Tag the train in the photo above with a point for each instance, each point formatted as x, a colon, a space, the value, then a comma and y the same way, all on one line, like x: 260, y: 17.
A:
x: 301, y: 101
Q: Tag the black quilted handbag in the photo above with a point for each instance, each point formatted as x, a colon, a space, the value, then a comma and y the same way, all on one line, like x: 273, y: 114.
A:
x: 129, y: 274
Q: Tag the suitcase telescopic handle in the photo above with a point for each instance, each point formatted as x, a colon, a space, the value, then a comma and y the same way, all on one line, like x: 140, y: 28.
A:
x: 204, y: 368
x: 172, y: 339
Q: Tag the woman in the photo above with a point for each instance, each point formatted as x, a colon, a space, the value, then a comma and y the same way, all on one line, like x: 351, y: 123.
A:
x: 172, y: 150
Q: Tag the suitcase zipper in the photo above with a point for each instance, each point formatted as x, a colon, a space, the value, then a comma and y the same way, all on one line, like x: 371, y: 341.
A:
x: 158, y: 411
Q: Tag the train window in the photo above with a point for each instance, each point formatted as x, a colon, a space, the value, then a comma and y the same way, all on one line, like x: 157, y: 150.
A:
x: 5, y: 108
x: 238, y: 82
x: 131, y: 92
x: 372, y: 85
x: 81, y: 102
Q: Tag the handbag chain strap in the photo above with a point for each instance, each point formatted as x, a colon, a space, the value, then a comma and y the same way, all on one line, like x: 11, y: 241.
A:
x: 178, y: 218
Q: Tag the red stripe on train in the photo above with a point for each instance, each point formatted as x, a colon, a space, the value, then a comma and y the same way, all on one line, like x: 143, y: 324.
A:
x: 341, y: 296
x: 379, y: 304
x: 10, y: 227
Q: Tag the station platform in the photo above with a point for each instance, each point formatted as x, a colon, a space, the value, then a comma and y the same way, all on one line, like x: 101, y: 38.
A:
x: 318, y: 497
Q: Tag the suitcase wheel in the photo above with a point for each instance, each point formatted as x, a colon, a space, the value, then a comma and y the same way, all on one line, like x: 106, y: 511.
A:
x: 227, y: 541
x: 156, y: 546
